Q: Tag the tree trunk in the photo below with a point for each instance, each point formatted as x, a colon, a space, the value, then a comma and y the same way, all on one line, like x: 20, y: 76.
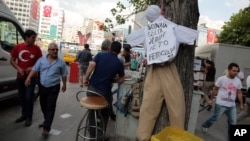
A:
x: 186, y: 13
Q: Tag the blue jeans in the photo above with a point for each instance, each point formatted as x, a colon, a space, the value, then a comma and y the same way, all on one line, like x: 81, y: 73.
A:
x: 218, y: 111
x: 26, y: 96
x: 116, y: 90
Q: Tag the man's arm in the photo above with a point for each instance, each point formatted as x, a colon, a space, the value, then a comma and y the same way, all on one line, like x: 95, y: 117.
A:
x: 64, y: 80
x: 240, y: 98
x: 90, y: 68
x: 14, y: 64
x: 119, y: 79
x: 31, y: 74
x: 214, y: 93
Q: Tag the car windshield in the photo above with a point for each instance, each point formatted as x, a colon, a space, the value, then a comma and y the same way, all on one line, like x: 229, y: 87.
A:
x: 73, y: 51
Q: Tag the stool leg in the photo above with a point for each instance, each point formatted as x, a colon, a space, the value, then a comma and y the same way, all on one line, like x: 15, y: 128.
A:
x: 102, y: 126
x: 96, y: 125
x: 79, y: 125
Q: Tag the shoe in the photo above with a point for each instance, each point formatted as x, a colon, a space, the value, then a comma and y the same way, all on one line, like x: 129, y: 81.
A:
x: 113, y: 117
x: 20, y: 119
x: 81, y: 86
x: 45, y: 133
x: 28, y: 122
x: 209, y: 107
x: 204, y: 130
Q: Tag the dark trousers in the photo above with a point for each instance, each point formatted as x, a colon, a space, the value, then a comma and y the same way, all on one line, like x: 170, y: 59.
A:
x: 105, y: 113
x: 26, y: 96
x: 48, y: 98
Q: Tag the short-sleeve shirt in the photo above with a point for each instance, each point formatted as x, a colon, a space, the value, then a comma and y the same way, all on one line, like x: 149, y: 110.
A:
x: 50, y: 73
x: 84, y: 57
x: 26, y: 56
x: 121, y: 58
x: 107, y: 67
x: 227, y: 90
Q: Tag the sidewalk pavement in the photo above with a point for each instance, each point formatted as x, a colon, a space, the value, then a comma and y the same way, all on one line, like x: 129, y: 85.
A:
x: 219, y: 130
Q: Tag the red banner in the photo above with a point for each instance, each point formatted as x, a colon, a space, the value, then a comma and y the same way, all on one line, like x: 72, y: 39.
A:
x: 63, y: 18
x: 47, y: 11
x: 34, y: 7
x: 211, y: 36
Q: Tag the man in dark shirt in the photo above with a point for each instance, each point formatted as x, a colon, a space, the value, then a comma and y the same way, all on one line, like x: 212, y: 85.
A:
x: 209, y: 81
x: 105, y: 67
x: 83, y: 59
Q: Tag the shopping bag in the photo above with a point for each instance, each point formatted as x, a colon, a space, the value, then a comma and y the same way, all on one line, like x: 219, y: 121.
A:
x: 171, y: 133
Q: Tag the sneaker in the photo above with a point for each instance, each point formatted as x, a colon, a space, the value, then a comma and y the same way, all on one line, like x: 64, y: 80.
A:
x: 28, y: 122
x: 20, y: 119
x: 204, y: 130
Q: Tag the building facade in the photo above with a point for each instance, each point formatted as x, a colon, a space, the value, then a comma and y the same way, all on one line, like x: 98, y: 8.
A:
x: 26, y: 12
x: 51, y: 21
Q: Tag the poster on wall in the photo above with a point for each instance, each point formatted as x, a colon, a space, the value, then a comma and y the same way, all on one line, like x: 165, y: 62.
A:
x: 198, y: 75
x: 197, y: 65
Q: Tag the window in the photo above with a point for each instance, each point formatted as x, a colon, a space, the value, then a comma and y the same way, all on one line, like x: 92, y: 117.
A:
x: 9, y: 36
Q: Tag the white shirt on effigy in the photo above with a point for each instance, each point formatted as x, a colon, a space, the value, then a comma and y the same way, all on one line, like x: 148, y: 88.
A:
x: 161, y: 39
x: 227, y: 90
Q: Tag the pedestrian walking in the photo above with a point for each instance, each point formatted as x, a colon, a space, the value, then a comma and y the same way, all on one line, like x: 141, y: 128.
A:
x: 23, y: 57
x: 210, y: 71
x: 83, y: 58
x: 226, y: 88
x: 52, y: 70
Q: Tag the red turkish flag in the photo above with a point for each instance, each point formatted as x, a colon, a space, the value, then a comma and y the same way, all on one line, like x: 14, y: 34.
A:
x: 47, y: 11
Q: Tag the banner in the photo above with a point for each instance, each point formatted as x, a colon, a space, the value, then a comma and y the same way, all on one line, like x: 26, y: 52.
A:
x: 34, y: 8
x: 211, y: 36
x: 47, y: 11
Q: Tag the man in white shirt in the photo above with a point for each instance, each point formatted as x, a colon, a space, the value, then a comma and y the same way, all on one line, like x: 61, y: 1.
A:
x: 161, y: 39
x: 226, y: 88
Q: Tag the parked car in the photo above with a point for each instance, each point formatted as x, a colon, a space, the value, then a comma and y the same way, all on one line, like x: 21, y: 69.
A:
x: 70, y: 56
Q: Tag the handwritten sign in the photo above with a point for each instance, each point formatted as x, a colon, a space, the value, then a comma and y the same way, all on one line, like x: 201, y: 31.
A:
x: 160, y: 42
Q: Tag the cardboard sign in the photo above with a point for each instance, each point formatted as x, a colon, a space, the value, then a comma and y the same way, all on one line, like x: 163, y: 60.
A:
x: 160, y: 42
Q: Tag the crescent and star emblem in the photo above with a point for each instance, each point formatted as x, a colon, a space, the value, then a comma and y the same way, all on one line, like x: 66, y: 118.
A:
x: 21, y: 56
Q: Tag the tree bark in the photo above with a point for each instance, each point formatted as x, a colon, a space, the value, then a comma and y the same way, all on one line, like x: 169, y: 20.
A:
x: 186, y: 13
